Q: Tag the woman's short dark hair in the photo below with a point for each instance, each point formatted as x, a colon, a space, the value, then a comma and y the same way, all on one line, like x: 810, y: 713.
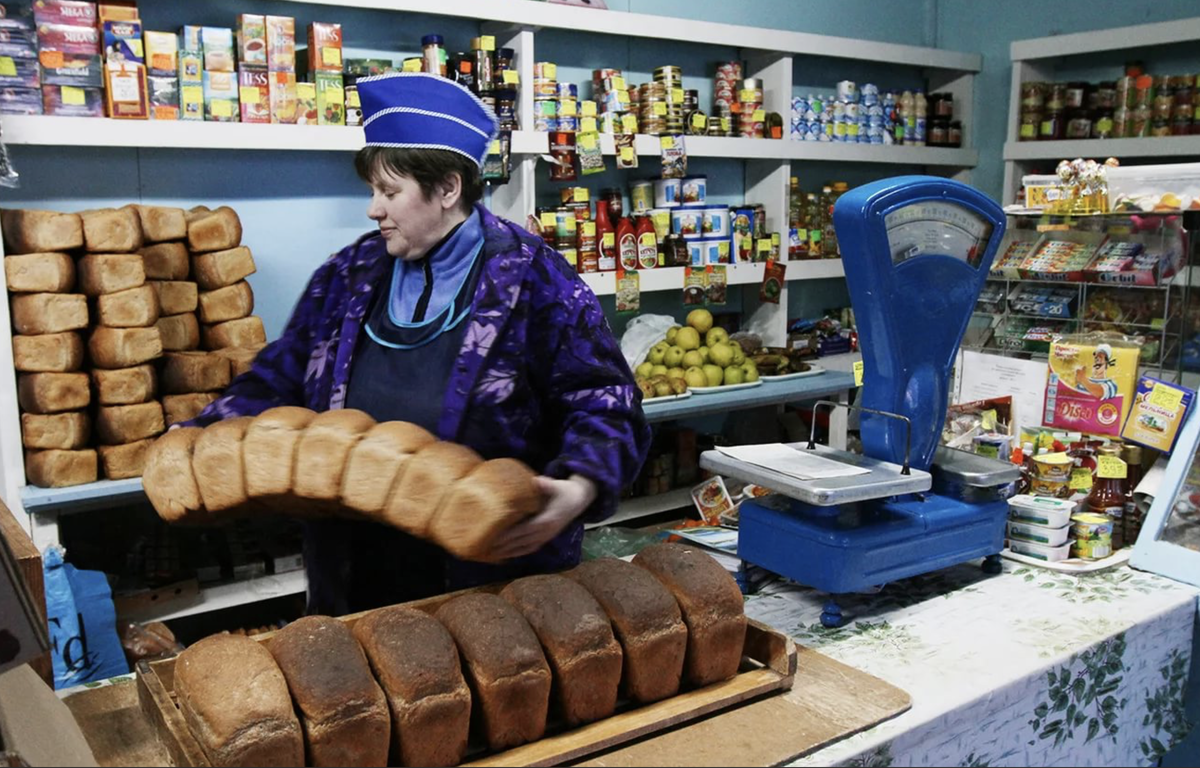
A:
x: 428, y: 167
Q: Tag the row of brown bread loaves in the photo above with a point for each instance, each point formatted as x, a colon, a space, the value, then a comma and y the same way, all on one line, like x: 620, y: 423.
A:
x: 412, y: 685
x: 341, y: 462
x: 142, y: 273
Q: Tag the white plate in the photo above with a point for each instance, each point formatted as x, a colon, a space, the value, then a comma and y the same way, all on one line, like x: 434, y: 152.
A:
x: 665, y: 398
x: 1072, y: 564
x: 813, y: 370
x: 725, y: 388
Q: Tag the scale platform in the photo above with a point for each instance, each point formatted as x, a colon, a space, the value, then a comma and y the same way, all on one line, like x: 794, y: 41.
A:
x: 882, y: 479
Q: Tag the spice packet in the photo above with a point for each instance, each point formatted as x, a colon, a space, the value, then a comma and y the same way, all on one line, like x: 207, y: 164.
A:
x: 674, y: 156
x: 772, y: 284
x: 1159, y: 410
x: 626, y: 154
x: 695, y: 285
x: 591, y: 158
x: 629, y: 291
x: 712, y: 500
x: 715, y: 273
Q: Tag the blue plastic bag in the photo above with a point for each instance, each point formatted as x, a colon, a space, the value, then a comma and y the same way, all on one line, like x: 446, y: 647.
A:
x: 83, y: 623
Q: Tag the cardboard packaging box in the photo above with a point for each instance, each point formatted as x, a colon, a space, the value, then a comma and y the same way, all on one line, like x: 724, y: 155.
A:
x: 254, y: 94
x: 125, y: 10
x: 191, y: 101
x: 69, y: 101
x: 191, y: 67
x: 306, y: 103
x: 252, y: 40
x: 162, y: 53
x: 67, y: 38
x: 123, y: 42
x: 220, y: 97
x: 191, y: 37
x: 324, y: 48
x: 281, y: 43
x: 18, y: 43
x: 331, y: 99
x: 217, y: 44
x: 164, y: 97
x: 80, y: 70
x: 24, y: 73
x: 282, y: 89
x: 125, y: 91
x: 20, y: 101
x: 16, y: 16
x: 75, y: 12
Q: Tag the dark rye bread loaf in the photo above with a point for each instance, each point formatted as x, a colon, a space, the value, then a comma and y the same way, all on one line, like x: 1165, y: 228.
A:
x: 712, y: 607
x: 578, y: 641
x: 236, y: 703
x: 647, y: 624
x: 342, y: 709
x: 416, y: 662
x: 505, y: 667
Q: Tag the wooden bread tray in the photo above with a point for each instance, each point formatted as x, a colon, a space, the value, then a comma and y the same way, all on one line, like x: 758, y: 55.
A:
x: 768, y: 664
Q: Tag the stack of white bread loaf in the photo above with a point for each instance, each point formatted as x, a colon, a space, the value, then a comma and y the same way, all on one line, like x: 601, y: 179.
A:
x: 295, y: 461
x: 108, y: 292
x: 413, y: 683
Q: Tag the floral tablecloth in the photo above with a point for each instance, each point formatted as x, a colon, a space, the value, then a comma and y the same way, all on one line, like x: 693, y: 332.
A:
x: 1030, y: 667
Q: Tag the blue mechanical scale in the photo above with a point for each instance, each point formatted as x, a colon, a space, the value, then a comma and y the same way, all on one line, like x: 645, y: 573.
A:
x: 916, y: 250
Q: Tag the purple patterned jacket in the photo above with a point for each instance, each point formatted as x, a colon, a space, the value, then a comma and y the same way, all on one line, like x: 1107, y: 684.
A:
x: 540, y: 376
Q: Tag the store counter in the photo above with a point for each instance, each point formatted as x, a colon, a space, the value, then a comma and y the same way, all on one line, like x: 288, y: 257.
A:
x: 1026, y: 668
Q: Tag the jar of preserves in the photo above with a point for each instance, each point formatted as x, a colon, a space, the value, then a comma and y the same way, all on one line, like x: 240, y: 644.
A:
x: 1076, y: 95
x: 939, y: 132
x: 1053, y: 127
x: 611, y: 197
x: 944, y: 107
x: 1102, y: 126
x: 589, y: 257
x: 1031, y: 124
x: 1032, y: 97
x: 1079, y: 125
x: 1106, y: 95
x: 954, y: 134
x: 1056, y: 97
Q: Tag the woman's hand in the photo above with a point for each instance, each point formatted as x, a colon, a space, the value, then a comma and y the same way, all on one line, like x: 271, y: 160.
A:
x: 563, y: 501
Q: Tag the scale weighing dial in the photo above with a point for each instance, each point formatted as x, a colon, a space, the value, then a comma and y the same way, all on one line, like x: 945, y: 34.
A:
x: 937, y: 227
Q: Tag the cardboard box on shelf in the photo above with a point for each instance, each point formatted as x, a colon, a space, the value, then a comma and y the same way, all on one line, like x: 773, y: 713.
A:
x: 324, y: 47
x: 22, y: 599
x: 282, y: 90
x: 331, y: 99
x: 18, y: 43
x: 191, y: 67
x: 20, y: 101
x: 164, y: 97
x: 281, y: 43
x: 217, y: 45
x: 191, y: 101
x: 75, y: 12
x: 123, y: 10
x: 126, y: 94
x: 68, y: 39
x: 254, y: 94
x: 306, y: 103
x: 69, y: 101
x: 81, y: 70
x: 252, y: 40
x: 20, y: 73
x: 220, y: 97
x: 162, y: 53
x: 123, y: 42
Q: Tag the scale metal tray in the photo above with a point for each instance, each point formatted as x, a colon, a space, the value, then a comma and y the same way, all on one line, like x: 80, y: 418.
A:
x: 883, y: 478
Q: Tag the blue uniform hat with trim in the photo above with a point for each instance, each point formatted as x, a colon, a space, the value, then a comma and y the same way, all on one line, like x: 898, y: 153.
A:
x: 419, y: 110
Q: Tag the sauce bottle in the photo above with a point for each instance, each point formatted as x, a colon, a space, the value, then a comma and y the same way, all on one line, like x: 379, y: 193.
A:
x: 647, y: 243
x: 1133, y: 518
x: 606, y: 240
x: 1108, y: 498
x: 627, y: 244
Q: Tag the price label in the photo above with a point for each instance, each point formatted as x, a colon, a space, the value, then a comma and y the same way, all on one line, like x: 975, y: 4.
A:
x: 725, y: 124
x: 353, y: 101
x: 858, y: 373
x: 676, y: 95
x: 549, y: 70
x: 487, y: 43
x: 764, y: 245
x: 618, y: 84
x: 629, y: 123
x: 580, y: 194
x: 548, y: 220
x: 331, y: 57
x: 73, y: 96
x: 623, y: 97
x: 627, y: 154
x: 759, y: 116
x: 1111, y: 468
x: 411, y: 65
x: 587, y: 125
x: 222, y: 108
x: 248, y: 94
x: 511, y: 77
x: 668, y: 142
x: 8, y: 67
x: 1166, y: 397
x: 568, y: 107
x: 135, y: 47
x: 660, y: 108
x: 587, y: 108
x: 192, y: 94
x: 1081, y: 479
x: 494, y: 149
x: 609, y: 240
x: 1060, y: 457
x: 587, y: 140
x: 774, y: 239
x: 699, y: 121
x: 335, y: 95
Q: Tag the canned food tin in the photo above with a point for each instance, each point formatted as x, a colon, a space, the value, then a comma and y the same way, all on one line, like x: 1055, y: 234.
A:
x: 567, y: 91
x: 688, y: 222
x: 545, y: 89
x: 715, y: 222
x: 695, y: 190
x: 545, y: 70
x: 641, y: 196
x: 667, y: 193
x: 545, y: 108
x: 847, y: 92
x: 1093, y: 536
x: 545, y: 124
x: 669, y: 72
x: 569, y: 124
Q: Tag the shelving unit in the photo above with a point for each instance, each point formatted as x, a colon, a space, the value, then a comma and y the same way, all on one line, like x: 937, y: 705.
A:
x: 227, y: 595
x: 1037, y: 59
x: 671, y: 278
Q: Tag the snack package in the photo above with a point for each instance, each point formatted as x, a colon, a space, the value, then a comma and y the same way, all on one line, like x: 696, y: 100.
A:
x: 629, y: 291
x: 772, y: 284
x: 695, y: 285
x: 1090, y: 383
x: 591, y: 159
x: 712, y: 500
x: 674, y: 157
x: 626, y: 153
x: 1158, y: 412
x: 716, y: 284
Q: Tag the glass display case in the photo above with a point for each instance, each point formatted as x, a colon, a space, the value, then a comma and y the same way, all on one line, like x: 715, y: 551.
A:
x: 1123, y: 272
x: 1169, y: 543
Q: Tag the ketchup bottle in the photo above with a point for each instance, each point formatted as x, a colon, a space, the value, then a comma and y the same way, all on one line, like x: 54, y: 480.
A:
x: 606, y: 239
x: 647, y: 243
x: 627, y: 244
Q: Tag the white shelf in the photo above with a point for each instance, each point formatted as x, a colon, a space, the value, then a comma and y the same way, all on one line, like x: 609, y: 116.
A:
x: 227, y: 595
x: 1123, y: 38
x: 620, y: 23
x: 768, y: 149
x: 671, y: 278
x: 644, y: 506
x: 1166, y: 146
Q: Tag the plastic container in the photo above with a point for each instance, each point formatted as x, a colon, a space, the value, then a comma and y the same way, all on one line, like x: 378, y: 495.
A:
x: 716, y: 222
x: 688, y: 222
x: 1038, y: 534
x: 1041, y: 510
x: 667, y: 193
x: 695, y: 190
x: 1040, y: 551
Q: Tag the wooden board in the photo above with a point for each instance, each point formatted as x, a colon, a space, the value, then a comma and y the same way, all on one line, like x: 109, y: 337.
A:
x: 29, y: 563
x: 768, y: 664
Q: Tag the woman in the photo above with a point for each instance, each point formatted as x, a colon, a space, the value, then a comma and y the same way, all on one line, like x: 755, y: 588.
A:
x: 462, y: 323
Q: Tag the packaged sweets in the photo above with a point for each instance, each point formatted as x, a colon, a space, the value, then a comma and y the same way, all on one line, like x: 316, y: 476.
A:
x: 716, y: 284
x: 1158, y: 412
x: 164, y: 97
x: 772, y: 285
x: 629, y: 294
x: 695, y: 285
x: 591, y: 159
x: 306, y: 103
x: 1091, y: 382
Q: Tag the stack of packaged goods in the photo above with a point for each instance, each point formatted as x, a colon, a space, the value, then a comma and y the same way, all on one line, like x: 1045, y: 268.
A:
x: 21, y: 76
x: 662, y: 103
x: 725, y: 89
x: 867, y: 116
x: 810, y: 221
x: 162, y: 75
x: 125, y: 87
x: 611, y: 94
x: 1136, y: 105
x: 751, y: 116
x: 69, y: 53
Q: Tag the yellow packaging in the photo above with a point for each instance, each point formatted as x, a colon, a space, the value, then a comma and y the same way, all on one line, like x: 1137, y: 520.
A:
x: 1158, y: 413
x: 1090, y: 384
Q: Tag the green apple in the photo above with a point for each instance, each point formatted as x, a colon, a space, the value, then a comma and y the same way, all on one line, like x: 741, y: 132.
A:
x: 695, y: 377
x: 749, y: 371
x: 658, y: 370
x: 703, y: 353
x: 687, y: 339
x: 674, y: 329
x: 714, y: 374
x: 693, y: 359
x: 721, y: 355
x: 733, y: 375
x: 675, y: 373
x: 716, y: 336
x: 673, y: 357
x: 657, y: 352
x: 643, y: 370
x: 739, y: 356
x: 700, y: 319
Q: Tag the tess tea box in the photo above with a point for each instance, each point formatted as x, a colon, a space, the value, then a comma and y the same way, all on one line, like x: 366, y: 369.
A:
x: 254, y: 94
x: 324, y: 47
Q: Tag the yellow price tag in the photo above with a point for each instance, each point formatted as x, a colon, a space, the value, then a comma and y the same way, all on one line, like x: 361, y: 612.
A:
x: 192, y: 94
x: 8, y: 67
x: 589, y: 229
x: 764, y: 245
x: 331, y: 57
x: 858, y: 373
x: 335, y: 96
x: 587, y: 125
x: 587, y: 140
x: 549, y: 220
x: 587, y: 108
x: 568, y: 107
x: 1110, y: 467
x: 352, y: 99
x: 660, y: 108
x: 248, y: 94
x: 73, y: 96
x: 629, y: 123
x: 676, y: 95
x: 487, y: 43
x: 775, y: 241
x: 627, y: 154
x: 1081, y: 479
x: 1166, y: 397
x: 494, y: 149
x: 1059, y: 457
x: 725, y: 124
x: 623, y: 97
x: 698, y: 120
x: 511, y: 77
x: 759, y: 116
x: 549, y: 70
x: 580, y: 195
x: 668, y: 142
x: 411, y: 65
x: 306, y: 90
x: 222, y: 108
x: 135, y: 47
x: 618, y: 83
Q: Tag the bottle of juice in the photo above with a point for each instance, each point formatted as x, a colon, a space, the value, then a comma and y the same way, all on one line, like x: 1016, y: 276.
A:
x: 606, y: 240
x: 906, y: 127
x: 647, y: 243
x: 920, y: 108
x: 627, y: 249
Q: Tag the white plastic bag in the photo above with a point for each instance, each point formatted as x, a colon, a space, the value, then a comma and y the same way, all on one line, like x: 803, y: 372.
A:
x: 643, y: 332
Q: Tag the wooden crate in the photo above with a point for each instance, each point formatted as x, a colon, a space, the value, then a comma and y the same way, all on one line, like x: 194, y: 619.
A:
x: 768, y: 664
